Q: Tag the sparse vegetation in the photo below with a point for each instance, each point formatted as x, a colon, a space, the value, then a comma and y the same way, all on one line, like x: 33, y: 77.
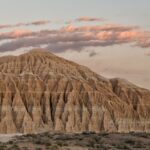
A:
x: 83, y: 141
x: 130, y: 141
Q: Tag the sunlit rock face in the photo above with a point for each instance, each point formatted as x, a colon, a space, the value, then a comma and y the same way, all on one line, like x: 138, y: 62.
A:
x: 42, y: 92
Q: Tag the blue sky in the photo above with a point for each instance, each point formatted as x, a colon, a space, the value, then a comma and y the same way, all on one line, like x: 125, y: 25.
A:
x: 118, y: 46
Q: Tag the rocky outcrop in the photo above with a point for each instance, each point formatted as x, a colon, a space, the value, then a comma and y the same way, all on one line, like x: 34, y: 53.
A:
x: 40, y: 91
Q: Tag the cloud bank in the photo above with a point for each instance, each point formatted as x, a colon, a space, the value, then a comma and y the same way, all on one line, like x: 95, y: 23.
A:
x: 74, y: 37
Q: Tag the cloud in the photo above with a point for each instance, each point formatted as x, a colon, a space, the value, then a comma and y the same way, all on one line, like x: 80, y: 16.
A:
x: 148, y: 54
x: 39, y: 22
x: 96, y: 28
x: 16, y: 34
x: 144, y: 40
x: 24, y: 33
x: 76, y: 37
x: 92, y: 54
x: 85, y: 19
x: 35, y: 23
x: 88, y: 19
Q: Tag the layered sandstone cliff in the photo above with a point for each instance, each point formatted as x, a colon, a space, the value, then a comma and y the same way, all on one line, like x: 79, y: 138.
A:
x: 40, y: 91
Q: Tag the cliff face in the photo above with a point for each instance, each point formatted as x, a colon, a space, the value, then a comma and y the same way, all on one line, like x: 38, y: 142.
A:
x: 40, y: 91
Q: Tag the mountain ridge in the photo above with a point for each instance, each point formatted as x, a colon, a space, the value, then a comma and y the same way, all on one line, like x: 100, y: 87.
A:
x: 40, y: 91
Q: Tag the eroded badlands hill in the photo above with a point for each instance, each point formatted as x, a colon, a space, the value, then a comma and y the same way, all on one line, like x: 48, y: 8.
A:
x: 40, y: 91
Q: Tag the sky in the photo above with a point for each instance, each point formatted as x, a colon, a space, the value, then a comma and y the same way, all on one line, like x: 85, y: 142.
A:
x: 112, y: 37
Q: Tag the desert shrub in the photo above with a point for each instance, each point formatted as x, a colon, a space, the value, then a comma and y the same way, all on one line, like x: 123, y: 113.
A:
x: 37, y: 141
x: 42, y: 142
x: 65, y: 144
x: 2, y: 146
x: 104, y: 134
x: 30, y: 135
x: 61, y: 143
x: 97, y: 146
x: 101, y: 141
x: 25, y: 148
x: 53, y: 147
x: 144, y: 135
x: 48, y: 144
x: 131, y: 132
x: 122, y: 146
x: 38, y: 148
x: 87, y: 133
x: 91, y: 143
x: 14, y: 147
x: 79, y: 138
x: 11, y: 142
x: 130, y: 141
x: 96, y: 139
x: 139, y: 145
x: 62, y: 137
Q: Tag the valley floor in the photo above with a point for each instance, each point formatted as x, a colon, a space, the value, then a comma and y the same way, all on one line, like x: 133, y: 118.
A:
x: 83, y: 141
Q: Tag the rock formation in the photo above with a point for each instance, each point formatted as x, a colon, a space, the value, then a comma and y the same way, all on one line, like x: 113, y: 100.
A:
x: 42, y: 92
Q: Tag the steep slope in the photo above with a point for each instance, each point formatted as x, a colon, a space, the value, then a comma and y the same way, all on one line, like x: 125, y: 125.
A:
x: 40, y: 91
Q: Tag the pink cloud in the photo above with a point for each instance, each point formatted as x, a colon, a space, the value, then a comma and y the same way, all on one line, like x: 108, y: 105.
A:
x: 76, y: 38
x: 144, y: 40
x: 16, y: 34
x: 106, y: 27
x: 39, y: 22
x: 88, y: 19
x: 35, y: 23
